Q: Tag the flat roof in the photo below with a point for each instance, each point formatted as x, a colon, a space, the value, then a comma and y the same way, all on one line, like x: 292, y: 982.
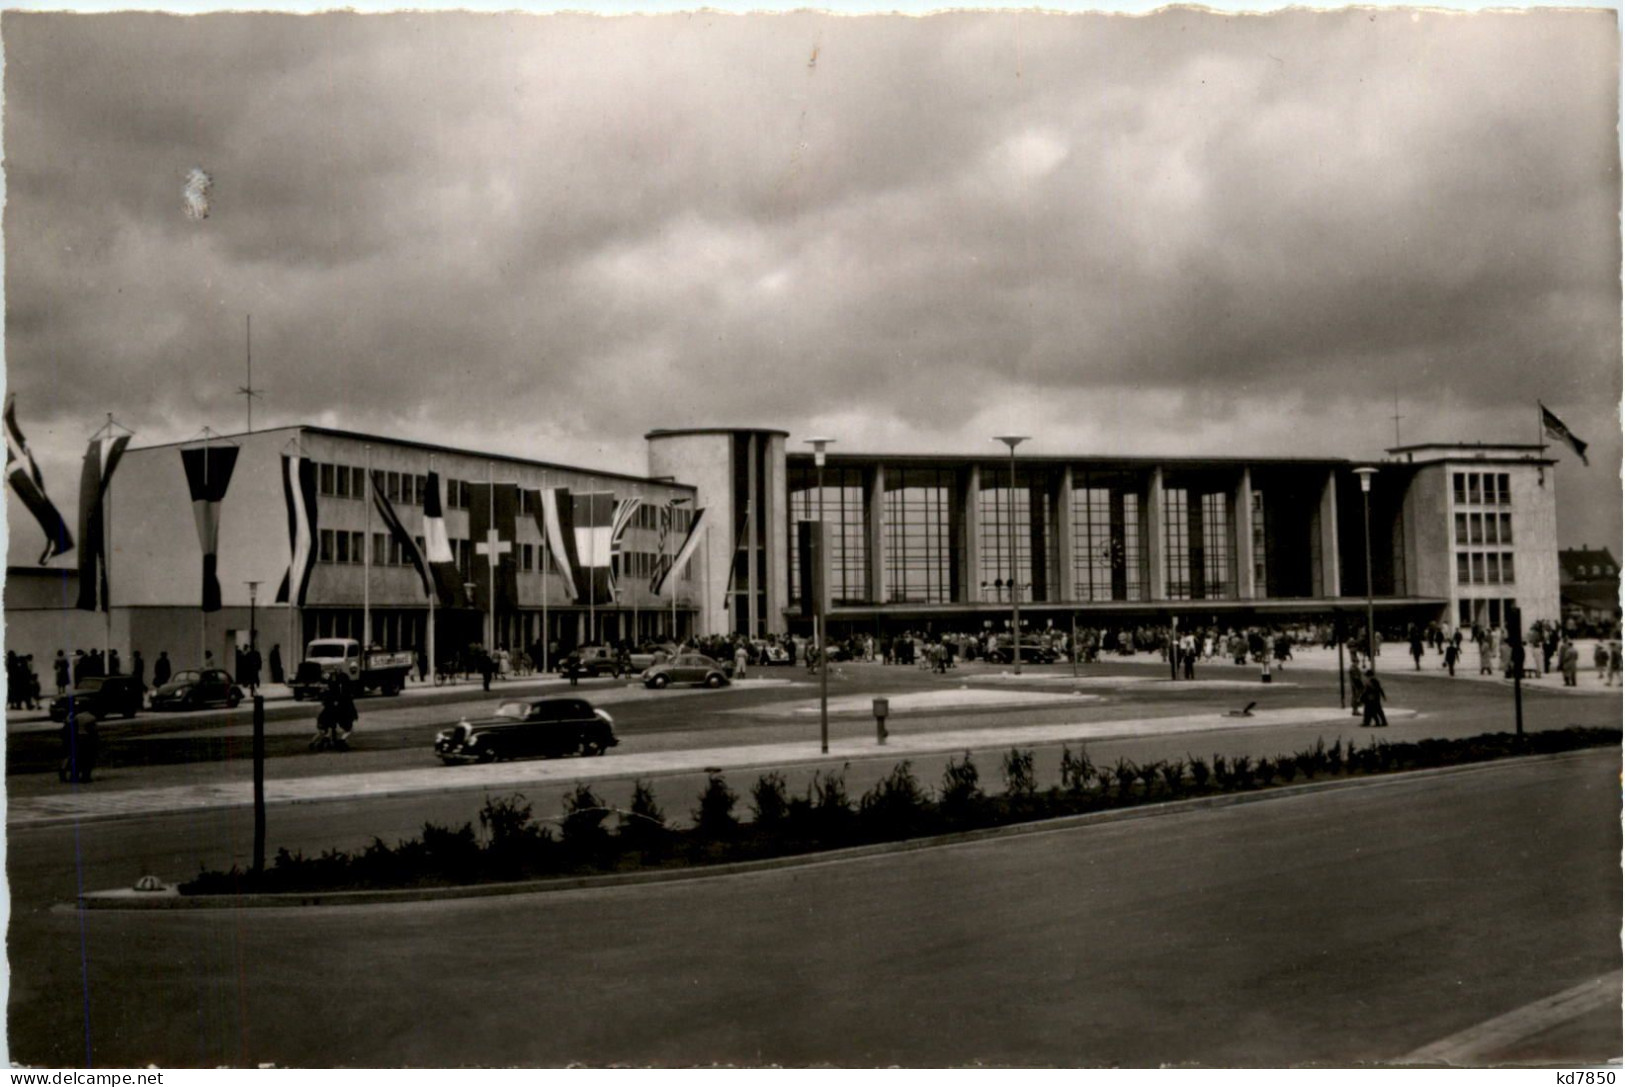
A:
x: 684, y: 432
x: 431, y: 447
x: 1103, y: 459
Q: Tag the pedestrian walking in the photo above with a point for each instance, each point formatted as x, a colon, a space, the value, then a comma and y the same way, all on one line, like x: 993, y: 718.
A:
x: 1452, y: 653
x: 60, y: 668
x: 1568, y: 659
x: 1372, y: 696
x: 161, y: 669
x: 274, y: 662
x: 1356, y: 691
x: 1613, y: 661
x: 741, y: 660
x: 112, y: 662
x: 1417, y: 648
x: 79, y: 742
x: 138, y: 669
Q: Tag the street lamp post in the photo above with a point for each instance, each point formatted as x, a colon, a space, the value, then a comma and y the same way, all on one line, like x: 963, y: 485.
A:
x: 1365, y: 475
x: 253, y: 589
x: 469, y: 587
x: 819, y: 445
x: 1013, y: 440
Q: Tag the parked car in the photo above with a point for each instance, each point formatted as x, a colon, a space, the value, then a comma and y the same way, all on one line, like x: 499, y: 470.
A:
x: 596, y: 661
x: 1031, y: 653
x: 192, y: 689
x: 547, y: 727
x: 102, y: 696
x: 685, y: 668
x: 652, y: 653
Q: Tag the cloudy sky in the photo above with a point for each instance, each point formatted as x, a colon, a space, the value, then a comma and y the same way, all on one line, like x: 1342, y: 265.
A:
x: 1180, y: 233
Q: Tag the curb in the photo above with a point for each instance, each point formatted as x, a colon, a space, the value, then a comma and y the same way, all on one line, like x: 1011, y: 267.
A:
x: 171, y: 899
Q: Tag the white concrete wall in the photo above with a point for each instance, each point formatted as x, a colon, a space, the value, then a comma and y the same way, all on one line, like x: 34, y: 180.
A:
x: 704, y: 461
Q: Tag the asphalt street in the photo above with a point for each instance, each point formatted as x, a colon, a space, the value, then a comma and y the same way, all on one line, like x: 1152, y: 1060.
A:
x: 54, y: 985
x: 1337, y: 928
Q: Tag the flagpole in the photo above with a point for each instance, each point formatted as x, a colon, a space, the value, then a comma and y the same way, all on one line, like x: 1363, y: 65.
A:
x: 203, y: 615
x: 592, y: 567
x: 491, y: 561
x: 106, y: 587
x: 366, y: 557
x: 434, y: 591
x: 545, y: 632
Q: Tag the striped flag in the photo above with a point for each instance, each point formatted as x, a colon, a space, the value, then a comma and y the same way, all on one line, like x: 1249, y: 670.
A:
x: 437, y: 548
x: 299, y: 492
x: 26, y: 481
x: 208, y: 474
x: 695, y: 529
x: 403, y: 538
x: 100, y: 460
x: 554, y: 511
x: 1556, y: 429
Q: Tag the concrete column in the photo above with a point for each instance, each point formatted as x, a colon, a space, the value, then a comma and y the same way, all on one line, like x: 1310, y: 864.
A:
x: 776, y: 525
x: 753, y: 511
x: 1241, y: 523
x: 1157, y: 572
x: 1331, y: 581
x: 972, y: 549
x: 876, y: 528
x: 1065, y: 588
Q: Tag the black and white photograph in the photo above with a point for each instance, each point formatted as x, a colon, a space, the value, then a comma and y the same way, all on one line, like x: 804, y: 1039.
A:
x: 817, y: 539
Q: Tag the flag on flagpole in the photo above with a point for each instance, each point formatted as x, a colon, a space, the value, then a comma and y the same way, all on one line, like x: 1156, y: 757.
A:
x: 554, y: 511
x: 596, y: 516
x: 299, y: 492
x: 661, y: 558
x: 403, y: 538
x: 29, y: 484
x: 493, y: 510
x: 208, y: 474
x: 1556, y: 429
x: 437, y: 548
x: 100, y: 460
x: 684, y: 553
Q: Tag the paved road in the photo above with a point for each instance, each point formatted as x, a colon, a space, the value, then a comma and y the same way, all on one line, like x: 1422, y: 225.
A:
x: 1352, y: 926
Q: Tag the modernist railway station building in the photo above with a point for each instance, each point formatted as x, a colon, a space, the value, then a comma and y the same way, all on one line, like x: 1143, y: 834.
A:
x: 1459, y: 533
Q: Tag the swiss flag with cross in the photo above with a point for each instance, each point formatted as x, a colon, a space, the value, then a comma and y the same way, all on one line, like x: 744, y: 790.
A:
x: 493, y: 510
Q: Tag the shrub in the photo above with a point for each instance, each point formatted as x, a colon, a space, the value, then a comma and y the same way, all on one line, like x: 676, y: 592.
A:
x: 583, y: 827
x: 504, y: 821
x: 896, y: 807
x: 1222, y: 777
x: 1265, y: 773
x: 1077, y: 772
x: 961, y: 789
x: 1125, y: 772
x: 644, y: 827
x: 1173, y: 776
x: 1148, y: 775
x: 1199, y: 772
x: 1019, y: 783
x: 715, y: 818
x: 769, y: 802
x: 1241, y: 771
x: 1287, y: 767
x: 829, y: 815
x: 1335, y: 759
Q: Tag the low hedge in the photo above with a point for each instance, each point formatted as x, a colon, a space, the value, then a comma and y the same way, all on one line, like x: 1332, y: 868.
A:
x: 511, y: 844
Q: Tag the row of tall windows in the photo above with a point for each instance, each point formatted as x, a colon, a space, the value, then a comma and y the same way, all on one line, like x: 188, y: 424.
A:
x: 1105, y: 544
x: 1196, y: 544
x: 849, y: 541
x: 919, y: 538
x: 1483, y: 528
x: 1484, y: 568
x: 1484, y: 612
x: 1482, y: 488
x: 1014, y: 561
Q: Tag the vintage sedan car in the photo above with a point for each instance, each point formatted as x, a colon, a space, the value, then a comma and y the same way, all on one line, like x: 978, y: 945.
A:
x: 193, y: 689
x: 685, y: 668
x: 102, y: 696
x: 545, y: 728
x: 1031, y: 653
x: 650, y: 654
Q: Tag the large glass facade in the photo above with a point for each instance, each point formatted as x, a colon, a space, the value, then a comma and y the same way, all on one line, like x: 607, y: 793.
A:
x: 921, y: 560
x: 1105, y: 540
x: 1025, y: 569
x: 849, y: 541
x: 1176, y: 547
x: 1215, y: 546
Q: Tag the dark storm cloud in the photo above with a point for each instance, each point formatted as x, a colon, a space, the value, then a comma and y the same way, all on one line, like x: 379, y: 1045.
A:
x: 546, y: 234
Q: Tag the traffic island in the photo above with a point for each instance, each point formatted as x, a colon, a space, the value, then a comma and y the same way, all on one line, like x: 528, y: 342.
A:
x: 592, y: 845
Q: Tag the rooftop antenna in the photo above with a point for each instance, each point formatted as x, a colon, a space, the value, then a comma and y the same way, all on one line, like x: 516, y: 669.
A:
x: 1397, y: 416
x: 248, y: 392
